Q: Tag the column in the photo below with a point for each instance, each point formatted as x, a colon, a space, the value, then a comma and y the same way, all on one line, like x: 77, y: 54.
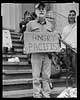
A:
x: 5, y: 11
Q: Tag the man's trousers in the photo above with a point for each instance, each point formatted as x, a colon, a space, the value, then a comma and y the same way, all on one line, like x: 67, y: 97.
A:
x: 40, y: 64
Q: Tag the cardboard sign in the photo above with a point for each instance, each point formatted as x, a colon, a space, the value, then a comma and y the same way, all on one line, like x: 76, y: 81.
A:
x: 35, y: 42
x: 6, y: 41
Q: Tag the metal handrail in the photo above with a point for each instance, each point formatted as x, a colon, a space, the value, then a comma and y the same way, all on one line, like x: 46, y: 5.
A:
x: 68, y: 45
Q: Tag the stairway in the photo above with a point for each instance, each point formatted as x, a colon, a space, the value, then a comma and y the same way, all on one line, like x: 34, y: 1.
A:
x: 17, y: 77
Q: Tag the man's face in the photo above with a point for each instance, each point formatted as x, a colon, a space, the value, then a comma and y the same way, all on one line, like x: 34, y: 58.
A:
x: 27, y: 18
x: 40, y: 12
x: 71, y: 17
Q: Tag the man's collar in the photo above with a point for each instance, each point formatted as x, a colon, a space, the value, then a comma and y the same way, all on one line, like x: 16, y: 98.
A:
x: 42, y: 23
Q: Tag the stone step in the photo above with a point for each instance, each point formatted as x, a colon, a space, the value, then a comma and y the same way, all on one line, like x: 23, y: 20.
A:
x: 16, y: 51
x: 20, y: 59
x: 17, y: 81
x: 16, y: 77
x: 20, y: 56
x: 29, y: 92
x: 17, y: 93
x: 14, y: 66
x: 8, y: 80
x: 17, y: 71
x: 15, y: 63
x: 18, y: 45
x: 15, y: 36
x: 25, y: 67
x: 23, y: 86
x: 19, y: 50
x: 17, y: 87
x: 17, y: 41
x: 15, y: 33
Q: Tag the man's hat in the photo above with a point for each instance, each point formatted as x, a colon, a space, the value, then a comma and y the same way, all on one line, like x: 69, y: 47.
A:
x: 40, y: 5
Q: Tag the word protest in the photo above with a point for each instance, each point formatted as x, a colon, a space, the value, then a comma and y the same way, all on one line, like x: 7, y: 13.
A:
x: 35, y: 42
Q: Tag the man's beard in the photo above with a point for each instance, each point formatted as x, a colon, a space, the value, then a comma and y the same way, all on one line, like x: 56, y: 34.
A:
x: 40, y: 14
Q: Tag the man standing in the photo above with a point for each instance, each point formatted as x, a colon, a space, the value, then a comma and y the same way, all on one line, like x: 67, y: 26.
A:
x: 69, y: 35
x: 40, y: 61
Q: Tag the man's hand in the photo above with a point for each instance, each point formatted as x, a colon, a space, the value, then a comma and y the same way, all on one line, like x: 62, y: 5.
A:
x: 50, y: 55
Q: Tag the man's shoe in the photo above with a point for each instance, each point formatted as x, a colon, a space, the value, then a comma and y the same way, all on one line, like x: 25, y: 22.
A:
x: 45, y: 95
x: 37, y: 96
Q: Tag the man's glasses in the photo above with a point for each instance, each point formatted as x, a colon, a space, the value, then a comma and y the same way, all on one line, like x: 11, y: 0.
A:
x: 41, y: 8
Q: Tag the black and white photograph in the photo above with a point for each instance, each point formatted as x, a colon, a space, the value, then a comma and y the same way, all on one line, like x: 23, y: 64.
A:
x: 39, y: 50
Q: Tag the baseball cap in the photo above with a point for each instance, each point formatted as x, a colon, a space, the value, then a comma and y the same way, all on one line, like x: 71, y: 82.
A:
x: 40, y: 5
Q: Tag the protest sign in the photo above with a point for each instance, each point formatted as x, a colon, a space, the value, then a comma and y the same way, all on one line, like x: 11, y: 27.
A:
x: 35, y: 42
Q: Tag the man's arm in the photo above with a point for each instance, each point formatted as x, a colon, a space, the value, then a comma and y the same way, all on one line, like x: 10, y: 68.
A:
x: 28, y: 27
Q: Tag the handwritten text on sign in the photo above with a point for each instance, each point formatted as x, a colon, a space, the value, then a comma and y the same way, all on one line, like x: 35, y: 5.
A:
x: 41, y: 42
